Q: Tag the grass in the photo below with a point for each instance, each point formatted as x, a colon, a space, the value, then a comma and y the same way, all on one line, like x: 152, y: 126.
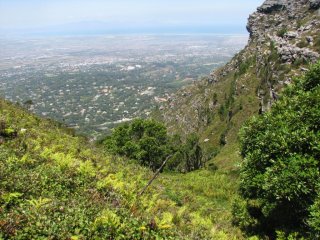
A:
x: 317, y: 44
x: 55, y: 185
x: 302, y: 44
x: 58, y: 186
x: 209, y: 196
x: 282, y: 32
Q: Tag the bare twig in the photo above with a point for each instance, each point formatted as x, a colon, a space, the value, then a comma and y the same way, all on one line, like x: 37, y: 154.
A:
x: 155, y: 175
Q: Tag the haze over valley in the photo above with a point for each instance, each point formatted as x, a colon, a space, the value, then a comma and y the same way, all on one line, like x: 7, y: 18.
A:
x: 93, y: 83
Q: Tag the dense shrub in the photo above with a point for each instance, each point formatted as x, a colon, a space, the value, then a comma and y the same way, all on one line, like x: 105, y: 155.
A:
x: 280, y: 173
x: 147, y: 142
x: 57, y: 186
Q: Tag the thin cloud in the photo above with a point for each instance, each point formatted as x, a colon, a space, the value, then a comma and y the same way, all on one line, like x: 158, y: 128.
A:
x: 36, y: 14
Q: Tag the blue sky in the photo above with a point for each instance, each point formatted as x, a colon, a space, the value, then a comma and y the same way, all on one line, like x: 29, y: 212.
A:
x: 127, y: 15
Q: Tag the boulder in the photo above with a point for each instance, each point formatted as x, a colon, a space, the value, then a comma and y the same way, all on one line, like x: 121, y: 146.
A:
x: 213, y: 78
x: 290, y: 53
x: 272, y: 5
x: 291, y: 35
x: 253, y: 26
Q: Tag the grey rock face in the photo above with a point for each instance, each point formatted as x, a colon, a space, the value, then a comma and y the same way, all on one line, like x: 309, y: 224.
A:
x: 291, y: 35
x: 272, y: 5
x: 275, y: 31
x: 314, y: 4
x: 290, y: 53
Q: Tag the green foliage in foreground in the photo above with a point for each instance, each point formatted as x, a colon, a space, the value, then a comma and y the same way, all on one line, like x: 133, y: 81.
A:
x: 57, y: 186
x: 147, y: 142
x: 280, y: 176
x: 207, y: 196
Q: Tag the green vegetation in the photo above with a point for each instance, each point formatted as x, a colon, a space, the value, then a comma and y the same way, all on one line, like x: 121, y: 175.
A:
x: 282, y: 32
x: 280, y: 173
x: 303, y: 43
x: 54, y: 185
x: 142, y: 140
x: 244, y: 66
x: 317, y: 43
x: 299, y: 61
x: 207, y: 196
x: 147, y: 142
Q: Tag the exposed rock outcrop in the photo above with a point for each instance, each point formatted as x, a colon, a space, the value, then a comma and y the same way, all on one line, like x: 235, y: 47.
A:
x: 290, y: 53
x: 284, y: 39
x: 282, y: 28
x: 272, y: 5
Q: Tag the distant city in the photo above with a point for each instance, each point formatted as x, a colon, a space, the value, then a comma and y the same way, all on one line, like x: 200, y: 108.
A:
x: 94, y: 83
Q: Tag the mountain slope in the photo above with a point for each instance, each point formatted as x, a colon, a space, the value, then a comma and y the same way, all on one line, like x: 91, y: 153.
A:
x: 54, y: 185
x: 58, y: 186
x: 284, y: 39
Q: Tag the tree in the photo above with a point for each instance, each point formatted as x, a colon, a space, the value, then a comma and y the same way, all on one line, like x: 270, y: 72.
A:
x: 142, y: 140
x: 192, y: 153
x: 147, y: 142
x: 280, y: 174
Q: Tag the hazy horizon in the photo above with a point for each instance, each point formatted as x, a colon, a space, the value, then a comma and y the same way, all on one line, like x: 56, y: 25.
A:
x: 124, y: 16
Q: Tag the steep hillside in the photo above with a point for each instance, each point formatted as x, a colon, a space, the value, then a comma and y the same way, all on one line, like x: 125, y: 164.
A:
x: 284, y: 39
x: 54, y: 185
x: 57, y: 186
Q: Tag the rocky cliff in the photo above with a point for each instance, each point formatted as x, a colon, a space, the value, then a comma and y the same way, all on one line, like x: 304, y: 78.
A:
x: 284, y: 40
